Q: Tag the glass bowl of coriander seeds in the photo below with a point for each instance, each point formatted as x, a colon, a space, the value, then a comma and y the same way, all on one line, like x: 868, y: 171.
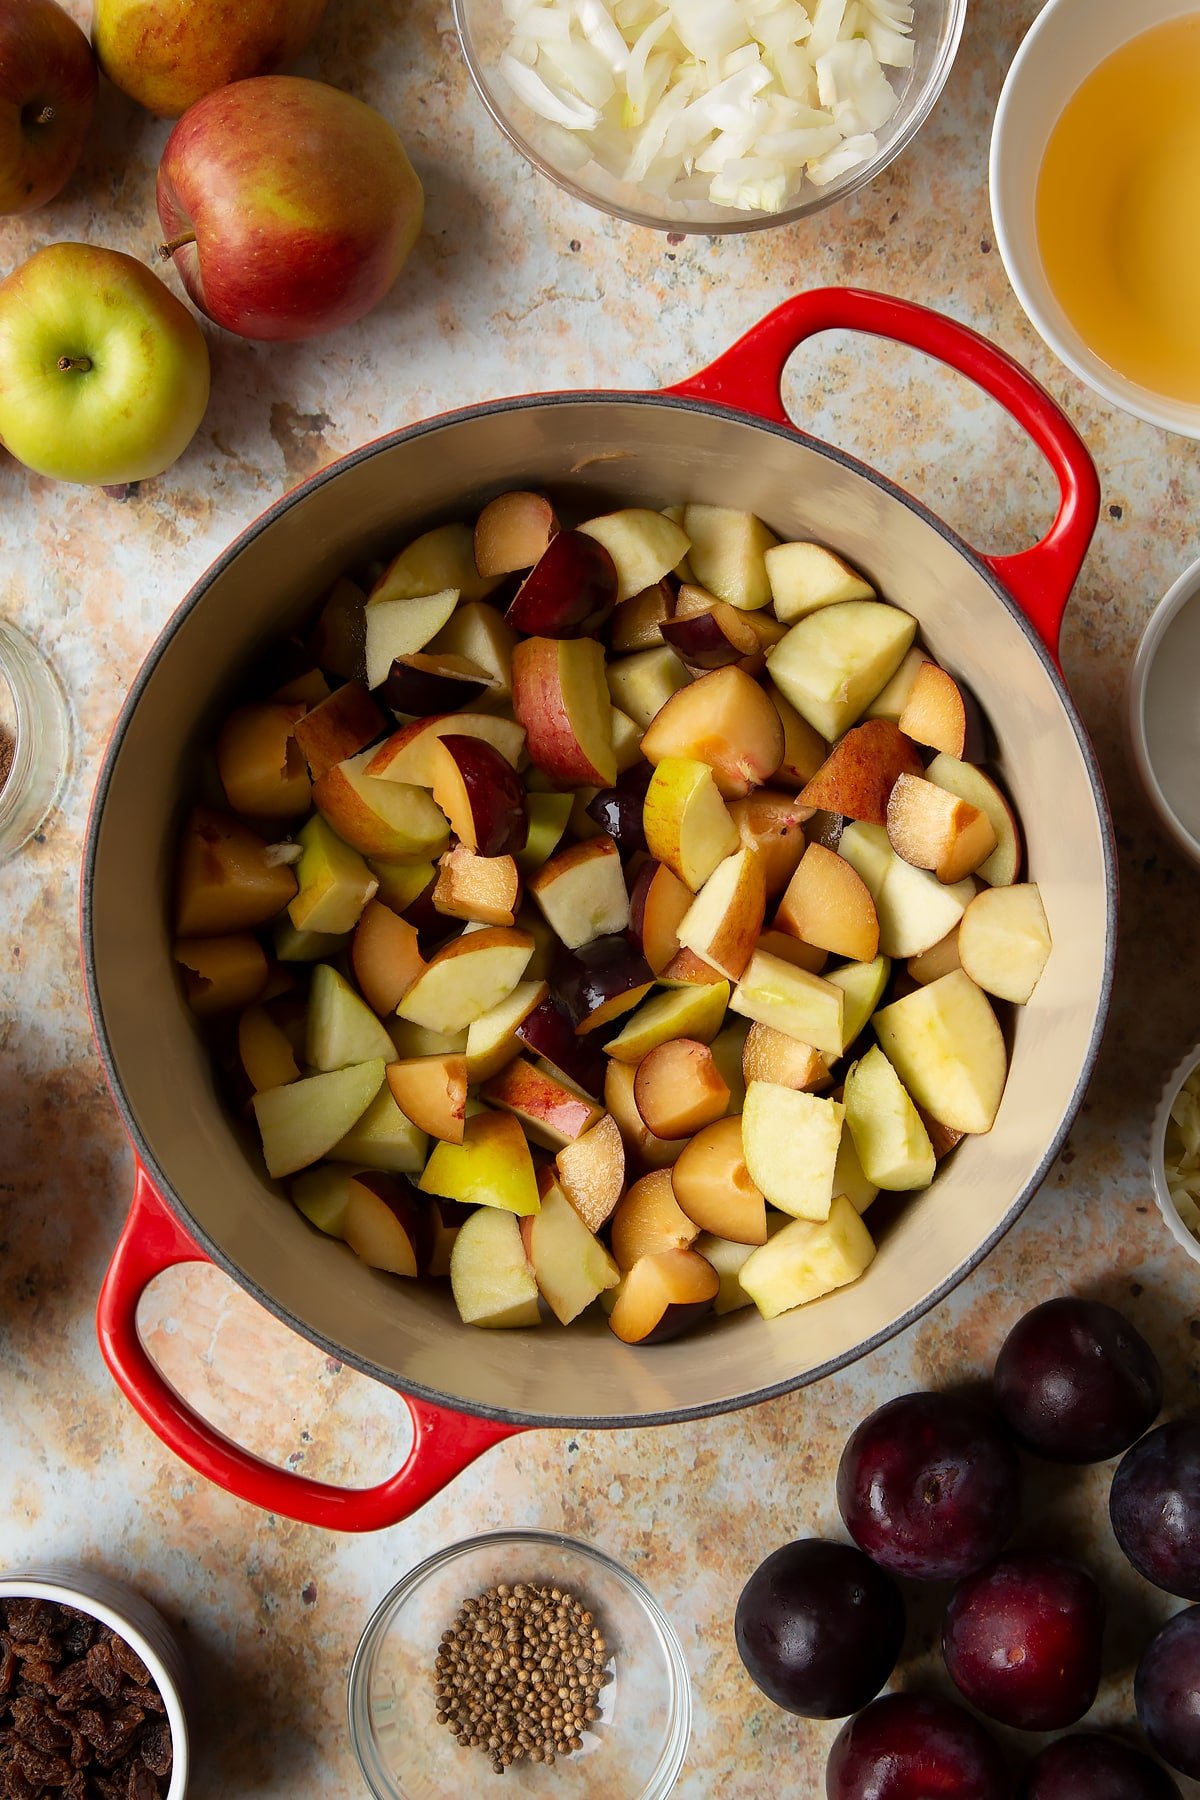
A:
x: 521, y: 1662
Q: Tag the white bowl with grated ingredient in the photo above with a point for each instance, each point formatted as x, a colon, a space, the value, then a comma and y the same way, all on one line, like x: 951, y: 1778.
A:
x: 1175, y: 1153
x: 710, y: 116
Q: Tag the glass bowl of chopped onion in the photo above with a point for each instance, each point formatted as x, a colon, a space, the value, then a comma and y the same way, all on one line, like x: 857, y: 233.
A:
x: 710, y: 116
x: 1175, y: 1153
x: 464, y: 1628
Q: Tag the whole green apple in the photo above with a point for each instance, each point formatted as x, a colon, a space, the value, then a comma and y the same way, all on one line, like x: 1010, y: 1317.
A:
x: 288, y: 206
x: 47, y: 93
x: 103, y: 372
x: 170, y: 53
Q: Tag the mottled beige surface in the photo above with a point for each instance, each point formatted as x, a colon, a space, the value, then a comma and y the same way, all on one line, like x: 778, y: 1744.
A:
x: 512, y: 288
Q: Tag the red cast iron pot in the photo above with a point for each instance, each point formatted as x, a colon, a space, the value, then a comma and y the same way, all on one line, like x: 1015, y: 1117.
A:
x: 721, y: 437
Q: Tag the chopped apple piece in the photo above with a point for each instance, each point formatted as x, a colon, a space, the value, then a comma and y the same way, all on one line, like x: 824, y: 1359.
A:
x: 770, y: 1055
x: 383, y: 1138
x: 933, y: 829
x: 432, y: 1092
x: 971, y: 784
x: 571, y: 1266
x: 832, y: 663
x: 805, y: 577
x: 644, y: 545
x: 222, y: 974
x: 592, y: 1171
x: 662, y: 1296
x: 479, y: 633
x: 723, y: 719
x: 686, y: 969
x: 642, y: 1148
x: 547, y: 816
x: 728, y: 1259
x: 892, y: 698
x: 714, y: 1188
x: 385, y: 956
x: 512, y: 532
x: 679, y: 1089
x: 695, y: 1011
x: 480, y: 793
x: 1004, y: 940
x: 804, y: 750
x: 869, y: 852
x: 861, y: 771
x: 260, y: 763
x: 381, y: 1223
x: 582, y: 893
x: 648, y: 1220
x: 828, y: 904
x: 657, y: 906
x: 492, y: 1039
x: 379, y: 818
x: 935, y: 712
x: 892, y: 1145
x: 862, y: 984
x: 438, y: 559
x: 396, y: 628
x: 793, y: 950
x: 639, y: 622
x: 414, y: 1040
x: 687, y: 823
x: 805, y: 1006
x: 310, y: 687
x: 773, y: 827
x: 301, y: 1122
x: 642, y: 684
x: 724, y: 920
x: 225, y: 880
x: 491, y: 1167
x: 790, y: 1141
x: 267, y: 1056
x: 342, y: 1029
x: 410, y: 754
x: 916, y: 910
x: 627, y: 742
x: 322, y: 1195
x: 727, y: 554
x: 560, y: 697
x: 490, y: 1277
x: 947, y: 1048
x: 806, y: 1260
x: 442, y: 1220
x: 484, y: 889
x: 335, y: 883
x: 340, y: 631
x: 339, y: 727
x: 848, y: 1177
x: 467, y: 977
x: 401, y: 884
x: 296, y: 946
x: 551, y: 1113
x: 937, y: 961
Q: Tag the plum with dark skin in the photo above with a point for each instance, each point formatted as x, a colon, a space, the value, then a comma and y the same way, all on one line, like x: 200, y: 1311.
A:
x: 819, y: 1627
x: 1022, y: 1640
x: 929, y: 1486
x: 1154, y: 1505
x: 569, y: 592
x: 481, y: 794
x: 915, y: 1747
x: 1089, y: 1765
x: 1166, y: 1692
x: 618, y: 810
x: 1075, y: 1382
x: 549, y: 1031
x: 602, y: 980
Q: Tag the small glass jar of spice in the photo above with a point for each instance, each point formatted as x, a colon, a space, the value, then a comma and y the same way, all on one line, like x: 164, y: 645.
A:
x: 34, y: 740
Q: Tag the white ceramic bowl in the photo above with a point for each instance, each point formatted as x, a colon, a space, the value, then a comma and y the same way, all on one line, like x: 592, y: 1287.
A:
x: 143, y: 1628
x: 1158, y: 1167
x: 1163, y: 717
x: 1066, y: 42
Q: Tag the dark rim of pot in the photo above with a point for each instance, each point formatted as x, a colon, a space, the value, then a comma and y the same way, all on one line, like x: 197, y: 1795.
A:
x: 584, y: 1421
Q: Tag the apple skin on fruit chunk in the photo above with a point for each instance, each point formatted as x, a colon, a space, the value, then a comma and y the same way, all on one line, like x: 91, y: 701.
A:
x: 713, y: 1186
x: 724, y: 920
x: 723, y: 719
x: 934, y: 829
x: 339, y: 727
x: 260, y: 762
x: 770, y: 1055
x: 546, y: 816
x: 410, y: 754
x: 491, y: 1167
x: 492, y: 1039
x: 648, y: 1220
x: 385, y: 956
x: 224, y: 880
x: 790, y: 1141
x: 828, y: 904
x: 805, y: 577
x: 273, y: 231
x: 581, y: 891
x: 387, y: 819
x: 947, y: 1048
x: 490, y: 1277
x: 860, y: 772
x: 571, y: 1267
x: 301, y: 1123
x: 569, y: 592
x: 480, y: 889
x: 640, y: 685
x: 591, y: 1171
x: 643, y: 546
x: 971, y: 784
x: 832, y: 663
x: 892, y: 1145
x: 481, y: 794
x: 727, y: 554
x: 342, y: 1029
x: 322, y: 1195
x: 335, y: 883
x: 432, y: 1092
x: 807, y: 1007
x: 512, y: 532
x: 679, y: 1089
x: 687, y: 823
x: 1004, y: 940
x: 470, y: 975
x: 560, y: 697
x: 167, y: 59
x: 551, y: 1113
x: 663, y: 1296
x: 221, y: 974
x: 807, y: 1259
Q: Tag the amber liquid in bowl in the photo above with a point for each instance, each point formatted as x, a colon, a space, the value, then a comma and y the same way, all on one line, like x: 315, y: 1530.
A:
x: 1118, y: 210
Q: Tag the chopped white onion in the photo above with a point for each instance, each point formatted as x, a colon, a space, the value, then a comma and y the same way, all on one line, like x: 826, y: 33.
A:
x: 733, y: 101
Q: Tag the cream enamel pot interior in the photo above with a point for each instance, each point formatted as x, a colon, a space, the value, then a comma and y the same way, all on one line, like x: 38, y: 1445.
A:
x: 722, y: 437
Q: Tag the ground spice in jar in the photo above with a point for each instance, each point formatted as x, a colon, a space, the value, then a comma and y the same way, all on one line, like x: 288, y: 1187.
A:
x: 519, y: 1673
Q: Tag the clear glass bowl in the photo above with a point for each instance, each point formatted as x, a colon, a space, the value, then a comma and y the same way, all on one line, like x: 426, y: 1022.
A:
x: 35, y: 729
x: 483, y: 32
x: 634, y: 1752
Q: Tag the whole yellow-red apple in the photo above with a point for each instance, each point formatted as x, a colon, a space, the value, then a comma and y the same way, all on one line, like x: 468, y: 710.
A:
x: 47, y: 93
x: 168, y: 54
x: 288, y: 206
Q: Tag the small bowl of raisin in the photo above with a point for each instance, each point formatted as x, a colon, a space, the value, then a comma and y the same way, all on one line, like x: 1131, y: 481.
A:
x: 91, y: 1681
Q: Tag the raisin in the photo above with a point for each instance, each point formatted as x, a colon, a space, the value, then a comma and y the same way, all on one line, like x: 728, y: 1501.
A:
x: 131, y: 1663
x: 8, y: 1663
x: 104, y: 1670
x: 155, y: 1747
x: 44, y: 1768
x: 33, y: 1720
x: 72, y: 1686
x: 16, y: 1787
x: 26, y: 1619
x: 142, y: 1785
x: 39, y: 1649
x: 77, y: 1787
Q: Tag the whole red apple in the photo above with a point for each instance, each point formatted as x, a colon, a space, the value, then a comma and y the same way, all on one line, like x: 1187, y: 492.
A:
x: 47, y: 93
x: 168, y: 53
x: 288, y: 206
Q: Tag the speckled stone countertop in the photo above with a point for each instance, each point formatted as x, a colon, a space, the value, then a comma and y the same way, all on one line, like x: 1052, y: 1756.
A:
x: 513, y: 287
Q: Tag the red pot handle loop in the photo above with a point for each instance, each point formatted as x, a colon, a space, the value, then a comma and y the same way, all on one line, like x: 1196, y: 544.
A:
x: 444, y: 1442
x: 749, y: 375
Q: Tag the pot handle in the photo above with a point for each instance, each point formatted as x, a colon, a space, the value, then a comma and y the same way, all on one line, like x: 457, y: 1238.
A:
x: 749, y: 374
x: 444, y: 1442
